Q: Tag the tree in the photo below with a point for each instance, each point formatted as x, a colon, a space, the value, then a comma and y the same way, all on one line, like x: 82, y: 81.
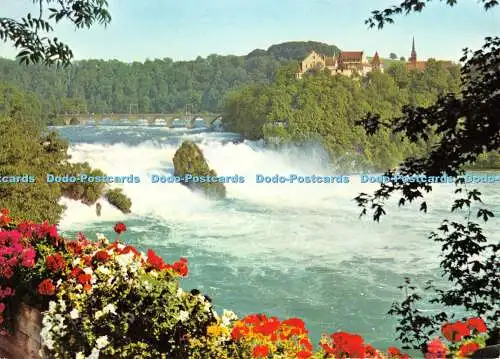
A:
x: 393, y: 56
x: 402, y: 58
x: 26, y: 36
x: 467, y: 126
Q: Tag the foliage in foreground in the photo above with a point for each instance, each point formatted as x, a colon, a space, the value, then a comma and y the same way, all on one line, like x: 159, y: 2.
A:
x: 24, y: 33
x: 108, y: 300
x: 468, y: 128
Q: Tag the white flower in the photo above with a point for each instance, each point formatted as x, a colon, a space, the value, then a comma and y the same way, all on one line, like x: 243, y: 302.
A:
x: 88, y: 270
x: 79, y: 355
x: 208, y: 305
x: 110, y: 308
x: 94, y: 354
x: 227, y: 317
x: 183, y: 315
x: 59, y: 318
x: 103, y: 270
x: 124, y: 260
x: 45, y: 334
x: 58, y: 283
x: 49, y: 343
x: 100, y: 236
x: 76, y: 262
x: 98, y: 314
x: 52, y: 306
x: 62, y: 304
x: 179, y: 292
x: 101, y: 342
x: 74, y: 314
x: 154, y: 274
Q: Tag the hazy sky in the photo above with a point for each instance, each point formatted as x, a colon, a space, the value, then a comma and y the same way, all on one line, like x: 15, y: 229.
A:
x: 185, y: 29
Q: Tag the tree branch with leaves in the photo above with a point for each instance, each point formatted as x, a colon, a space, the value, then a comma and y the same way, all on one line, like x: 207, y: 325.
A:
x: 467, y: 125
x: 28, y: 33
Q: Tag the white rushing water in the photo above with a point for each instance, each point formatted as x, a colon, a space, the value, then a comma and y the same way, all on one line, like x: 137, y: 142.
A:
x: 294, y: 249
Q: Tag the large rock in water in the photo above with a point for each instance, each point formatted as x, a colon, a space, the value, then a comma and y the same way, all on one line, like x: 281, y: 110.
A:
x: 189, y: 160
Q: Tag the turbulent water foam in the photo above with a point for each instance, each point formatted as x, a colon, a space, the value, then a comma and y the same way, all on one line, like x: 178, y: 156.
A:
x: 292, y: 220
x: 267, y: 243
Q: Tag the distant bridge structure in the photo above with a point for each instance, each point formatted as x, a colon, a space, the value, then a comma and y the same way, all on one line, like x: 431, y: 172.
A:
x: 154, y: 119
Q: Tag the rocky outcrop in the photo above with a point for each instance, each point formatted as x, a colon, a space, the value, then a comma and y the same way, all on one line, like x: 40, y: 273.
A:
x: 118, y: 199
x: 190, y: 165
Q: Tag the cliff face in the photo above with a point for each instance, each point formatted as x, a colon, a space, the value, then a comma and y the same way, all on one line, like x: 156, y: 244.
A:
x: 190, y: 164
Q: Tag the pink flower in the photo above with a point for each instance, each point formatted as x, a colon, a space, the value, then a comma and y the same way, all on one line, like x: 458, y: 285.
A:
x: 435, y: 350
x: 28, y: 258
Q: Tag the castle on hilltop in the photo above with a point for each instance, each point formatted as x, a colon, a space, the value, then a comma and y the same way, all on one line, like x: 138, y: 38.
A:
x: 351, y: 62
x: 346, y: 63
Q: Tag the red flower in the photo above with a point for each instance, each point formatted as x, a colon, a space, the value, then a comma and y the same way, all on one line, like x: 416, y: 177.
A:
x: 76, y: 272
x: 46, y: 287
x: 435, y: 350
x: 120, y: 228
x: 239, y: 332
x: 155, y: 261
x: 45, y: 229
x: 4, y: 217
x: 55, y: 263
x: 295, y: 322
x: 254, y: 319
x: 268, y: 327
x: 74, y: 247
x: 348, y: 344
x: 455, y: 332
x: 181, y: 267
x: 304, y: 354
x: 260, y: 351
x: 306, y: 343
x: 84, y: 278
x: 129, y: 249
x: 2, y: 307
x: 477, y: 324
x: 87, y: 260
x: 102, y: 256
x: 371, y: 352
x: 467, y: 349
x: 393, y: 352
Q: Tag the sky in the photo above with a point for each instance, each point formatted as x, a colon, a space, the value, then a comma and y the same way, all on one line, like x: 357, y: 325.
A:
x: 185, y: 29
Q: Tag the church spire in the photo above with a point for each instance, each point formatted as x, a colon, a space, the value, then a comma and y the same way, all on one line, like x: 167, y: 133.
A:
x: 413, y: 55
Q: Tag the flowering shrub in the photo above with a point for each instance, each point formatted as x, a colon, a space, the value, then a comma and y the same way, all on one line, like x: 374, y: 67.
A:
x: 108, y: 300
x: 464, y: 338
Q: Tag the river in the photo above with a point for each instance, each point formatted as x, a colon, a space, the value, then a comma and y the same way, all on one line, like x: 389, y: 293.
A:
x: 283, y: 249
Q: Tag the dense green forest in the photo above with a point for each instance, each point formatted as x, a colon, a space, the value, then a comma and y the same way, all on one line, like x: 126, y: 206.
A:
x: 257, y: 93
x: 324, y: 108
x: 28, y: 149
x: 155, y: 86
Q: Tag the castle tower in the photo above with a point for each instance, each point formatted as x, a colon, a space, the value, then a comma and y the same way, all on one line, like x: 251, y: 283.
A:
x: 413, y: 55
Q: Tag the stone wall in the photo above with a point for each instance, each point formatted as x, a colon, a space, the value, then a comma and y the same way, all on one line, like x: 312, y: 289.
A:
x: 25, y: 342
